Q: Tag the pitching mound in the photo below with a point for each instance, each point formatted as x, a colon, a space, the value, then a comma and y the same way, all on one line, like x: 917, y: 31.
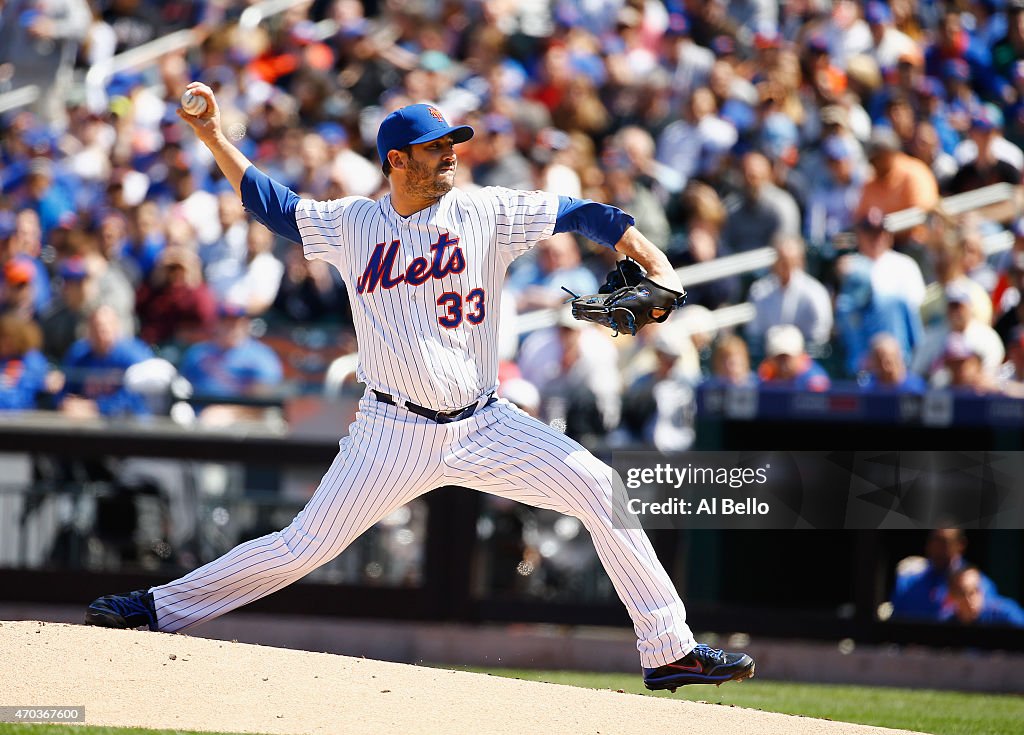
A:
x: 157, y: 680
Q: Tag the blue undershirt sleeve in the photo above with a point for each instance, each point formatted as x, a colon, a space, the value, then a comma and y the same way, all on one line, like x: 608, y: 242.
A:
x: 601, y: 223
x: 271, y: 203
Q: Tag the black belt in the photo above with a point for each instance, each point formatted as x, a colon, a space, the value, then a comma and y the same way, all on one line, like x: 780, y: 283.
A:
x: 440, y: 417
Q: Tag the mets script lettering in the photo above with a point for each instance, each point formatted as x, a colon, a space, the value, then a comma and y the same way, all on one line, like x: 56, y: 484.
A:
x: 380, y: 271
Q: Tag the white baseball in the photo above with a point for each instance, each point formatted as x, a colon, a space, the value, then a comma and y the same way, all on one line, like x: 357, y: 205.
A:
x: 193, y: 104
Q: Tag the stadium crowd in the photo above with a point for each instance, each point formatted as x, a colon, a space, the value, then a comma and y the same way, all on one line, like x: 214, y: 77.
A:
x: 721, y: 127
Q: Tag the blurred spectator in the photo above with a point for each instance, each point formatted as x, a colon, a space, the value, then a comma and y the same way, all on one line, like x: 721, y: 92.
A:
x: 948, y: 252
x: 888, y: 43
x: 1005, y: 294
x: 901, y: 117
x: 977, y: 268
x: 730, y: 363
x: 194, y: 205
x: 174, y: 305
x: 310, y: 293
x: 1009, y: 49
x: 538, y: 282
x: 846, y: 33
x: 498, y: 161
x: 222, y: 258
x: 113, y: 288
x: 790, y: 296
x: 831, y: 203
x: 626, y: 193
x: 1011, y: 375
x: 112, y: 233
x: 960, y: 319
x: 18, y: 295
x: 880, y: 291
x: 24, y: 242
x: 963, y: 368
x: 133, y: 22
x: 255, y: 281
x: 753, y: 16
x: 1013, y: 316
x: 985, y: 129
x: 704, y: 216
x: 899, y: 181
x: 927, y: 147
x: 39, y: 41
x: 886, y: 369
x: 45, y: 195
x: 985, y: 167
x: 575, y: 367
x: 1015, y: 111
x: 659, y: 407
x: 94, y: 370
x: 232, y: 364
x: 22, y: 367
x: 922, y: 583
x: 970, y: 604
x: 787, y: 364
x: 638, y: 147
x: 553, y: 152
x: 691, y: 145
x: 779, y: 141
x: 688, y: 62
x: 356, y: 175
x: 64, y: 321
x: 146, y: 239
x: 760, y: 211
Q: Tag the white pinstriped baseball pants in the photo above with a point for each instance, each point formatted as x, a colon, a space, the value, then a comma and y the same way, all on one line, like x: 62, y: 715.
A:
x: 392, y: 456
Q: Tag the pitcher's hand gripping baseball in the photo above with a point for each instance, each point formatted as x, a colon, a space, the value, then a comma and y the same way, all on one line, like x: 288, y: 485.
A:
x: 628, y: 301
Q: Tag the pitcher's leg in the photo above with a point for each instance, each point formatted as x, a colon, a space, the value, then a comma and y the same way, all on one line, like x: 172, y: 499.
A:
x: 364, y: 484
x: 515, y: 456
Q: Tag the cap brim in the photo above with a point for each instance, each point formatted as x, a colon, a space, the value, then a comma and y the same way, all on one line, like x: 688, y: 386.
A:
x: 459, y: 133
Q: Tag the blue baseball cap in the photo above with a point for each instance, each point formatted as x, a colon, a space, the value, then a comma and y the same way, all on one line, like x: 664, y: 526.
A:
x: 876, y: 13
x: 74, y: 269
x: 415, y: 124
x: 836, y: 149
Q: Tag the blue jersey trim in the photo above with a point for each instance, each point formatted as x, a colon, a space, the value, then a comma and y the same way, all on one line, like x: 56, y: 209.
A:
x: 601, y: 223
x: 271, y: 203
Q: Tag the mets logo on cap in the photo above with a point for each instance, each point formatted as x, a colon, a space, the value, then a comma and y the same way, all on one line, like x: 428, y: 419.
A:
x: 436, y: 114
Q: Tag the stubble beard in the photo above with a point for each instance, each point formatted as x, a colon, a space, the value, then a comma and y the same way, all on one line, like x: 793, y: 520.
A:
x: 427, y: 182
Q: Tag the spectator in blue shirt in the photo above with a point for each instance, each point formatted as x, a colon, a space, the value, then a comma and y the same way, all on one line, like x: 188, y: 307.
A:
x: 94, y: 370
x: 970, y: 604
x: 537, y: 284
x: 887, y: 370
x: 921, y: 592
x: 787, y: 364
x: 232, y: 364
x: 22, y: 366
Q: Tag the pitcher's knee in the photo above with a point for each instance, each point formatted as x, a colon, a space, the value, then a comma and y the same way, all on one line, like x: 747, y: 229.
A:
x: 302, y: 551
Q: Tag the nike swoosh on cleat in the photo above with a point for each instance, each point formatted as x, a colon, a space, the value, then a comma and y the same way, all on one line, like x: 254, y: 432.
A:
x: 697, y: 669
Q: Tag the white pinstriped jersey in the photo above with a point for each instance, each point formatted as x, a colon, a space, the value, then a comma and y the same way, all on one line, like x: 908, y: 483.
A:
x: 425, y: 289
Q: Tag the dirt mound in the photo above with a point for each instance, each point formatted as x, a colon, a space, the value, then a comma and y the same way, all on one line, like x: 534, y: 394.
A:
x: 157, y: 680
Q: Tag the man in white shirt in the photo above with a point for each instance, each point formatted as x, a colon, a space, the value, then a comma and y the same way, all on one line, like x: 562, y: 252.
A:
x: 790, y: 296
x: 888, y: 42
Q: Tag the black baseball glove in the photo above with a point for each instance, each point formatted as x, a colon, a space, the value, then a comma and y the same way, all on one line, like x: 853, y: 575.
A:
x: 628, y: 300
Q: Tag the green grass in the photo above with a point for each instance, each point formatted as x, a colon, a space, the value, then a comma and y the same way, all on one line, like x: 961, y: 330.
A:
x: 922, y: 710
x: 11, y: 729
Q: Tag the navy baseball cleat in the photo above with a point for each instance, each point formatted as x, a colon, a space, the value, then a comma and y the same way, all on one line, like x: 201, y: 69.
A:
x: 128, y: 610
x: 702, y: 665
